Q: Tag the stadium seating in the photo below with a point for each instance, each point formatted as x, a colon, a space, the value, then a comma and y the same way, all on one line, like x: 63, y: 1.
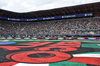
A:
x: 70, y: 26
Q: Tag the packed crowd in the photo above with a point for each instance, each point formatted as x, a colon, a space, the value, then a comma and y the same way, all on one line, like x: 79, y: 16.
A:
x: 69, y: 26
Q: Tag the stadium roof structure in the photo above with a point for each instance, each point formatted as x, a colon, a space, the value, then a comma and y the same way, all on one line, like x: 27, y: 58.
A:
x: 78, y: 9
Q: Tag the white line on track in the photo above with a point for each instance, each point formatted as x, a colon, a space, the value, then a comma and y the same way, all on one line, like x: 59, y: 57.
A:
x: 86, y: 55
x: 24, y: 64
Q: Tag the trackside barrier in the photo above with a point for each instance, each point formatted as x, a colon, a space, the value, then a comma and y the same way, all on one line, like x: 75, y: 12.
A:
x: 82, y: 38
x: 74, y: 37
x: 93, y: 38
x: 70, y: 38
x: 22, y: 37
x: 86, y: 38
x: 40, y: 37
x: 13, y: 37
x: 30, y: 37
x: 97, y: 38
x: 64, y: 38
x: 55, y: 38
x: 5, y: 37
x: 61, y: 38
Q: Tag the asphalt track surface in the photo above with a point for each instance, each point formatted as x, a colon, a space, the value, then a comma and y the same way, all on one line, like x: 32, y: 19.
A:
x: 49, y: 53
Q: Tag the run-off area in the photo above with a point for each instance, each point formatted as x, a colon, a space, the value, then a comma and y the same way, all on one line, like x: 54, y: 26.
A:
x: 50, y: 53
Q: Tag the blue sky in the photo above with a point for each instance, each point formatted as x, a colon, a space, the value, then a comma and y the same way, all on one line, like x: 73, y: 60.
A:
x: 35, y: 5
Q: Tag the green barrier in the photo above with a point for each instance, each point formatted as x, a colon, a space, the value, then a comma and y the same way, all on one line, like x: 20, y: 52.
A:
x: 95, y: 45
x: 18, y: 39
x: 65, y: 63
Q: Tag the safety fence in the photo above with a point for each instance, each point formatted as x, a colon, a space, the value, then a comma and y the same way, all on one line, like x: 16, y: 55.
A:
x: 53, y: 38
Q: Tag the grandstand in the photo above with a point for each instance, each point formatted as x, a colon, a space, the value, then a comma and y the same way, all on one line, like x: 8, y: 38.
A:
x: 53, y: 35
x: 81, y: 19
x: 69, y: 26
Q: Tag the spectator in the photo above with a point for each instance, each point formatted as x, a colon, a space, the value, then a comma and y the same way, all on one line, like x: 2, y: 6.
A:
x: 70, y: 26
